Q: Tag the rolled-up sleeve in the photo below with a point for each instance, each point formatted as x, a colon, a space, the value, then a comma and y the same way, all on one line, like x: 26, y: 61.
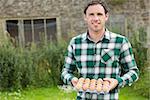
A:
x: 128, y: 65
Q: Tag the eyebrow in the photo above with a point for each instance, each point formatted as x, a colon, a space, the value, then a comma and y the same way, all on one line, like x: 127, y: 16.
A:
x: 96, y: 13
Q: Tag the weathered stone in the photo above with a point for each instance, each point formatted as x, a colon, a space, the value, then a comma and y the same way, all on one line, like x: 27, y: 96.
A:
x: 70, y: 12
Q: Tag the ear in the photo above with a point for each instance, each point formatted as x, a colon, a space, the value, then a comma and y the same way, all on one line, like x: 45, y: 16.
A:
x: 106, y: 16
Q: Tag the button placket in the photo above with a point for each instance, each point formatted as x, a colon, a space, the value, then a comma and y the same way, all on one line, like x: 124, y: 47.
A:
x: 94, y: 56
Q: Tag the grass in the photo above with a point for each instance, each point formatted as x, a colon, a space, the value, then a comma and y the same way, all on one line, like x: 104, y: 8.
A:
x: 58, y: 94
x: 127, y: 93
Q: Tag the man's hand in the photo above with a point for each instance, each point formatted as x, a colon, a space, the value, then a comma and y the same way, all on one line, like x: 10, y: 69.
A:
x: 113, y: 82
x: 74, y: 81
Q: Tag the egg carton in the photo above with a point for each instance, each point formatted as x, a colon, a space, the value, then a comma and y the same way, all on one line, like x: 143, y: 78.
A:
x: 94, y: 91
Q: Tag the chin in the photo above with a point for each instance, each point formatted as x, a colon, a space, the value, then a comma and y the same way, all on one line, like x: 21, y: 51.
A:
x: 96, y: 30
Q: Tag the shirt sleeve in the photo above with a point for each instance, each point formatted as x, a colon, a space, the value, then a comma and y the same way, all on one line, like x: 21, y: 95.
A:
x: 69, y: 65
x: 128, y: 65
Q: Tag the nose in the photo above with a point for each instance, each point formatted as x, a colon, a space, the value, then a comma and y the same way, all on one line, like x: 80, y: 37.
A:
x: 96, y: 18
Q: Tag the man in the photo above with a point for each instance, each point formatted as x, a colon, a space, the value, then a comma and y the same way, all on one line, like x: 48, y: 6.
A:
x: 99, y: 53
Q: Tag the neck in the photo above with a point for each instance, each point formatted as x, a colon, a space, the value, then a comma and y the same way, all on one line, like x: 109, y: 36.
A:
x: 96, y: 36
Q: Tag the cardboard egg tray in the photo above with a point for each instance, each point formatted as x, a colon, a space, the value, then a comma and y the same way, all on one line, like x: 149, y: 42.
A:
x: 95, y: 91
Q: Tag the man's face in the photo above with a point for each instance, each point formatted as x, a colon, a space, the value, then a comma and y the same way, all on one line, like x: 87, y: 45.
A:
x: 95, y: 17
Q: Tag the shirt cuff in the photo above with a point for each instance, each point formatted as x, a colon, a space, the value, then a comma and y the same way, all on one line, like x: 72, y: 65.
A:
x: 69, y: 80
x: 120, y: 82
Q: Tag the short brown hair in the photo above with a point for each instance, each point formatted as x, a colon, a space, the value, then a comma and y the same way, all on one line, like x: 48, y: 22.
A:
x: 95, y: 2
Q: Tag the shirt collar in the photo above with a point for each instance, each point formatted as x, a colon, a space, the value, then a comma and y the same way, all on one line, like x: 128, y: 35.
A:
x: 106, y: 35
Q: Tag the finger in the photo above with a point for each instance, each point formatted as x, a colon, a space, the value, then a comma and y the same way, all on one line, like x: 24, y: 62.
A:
x: 113, y: 84
x: 74, y: 81
x: 108, y: 79
x: 80, y: 83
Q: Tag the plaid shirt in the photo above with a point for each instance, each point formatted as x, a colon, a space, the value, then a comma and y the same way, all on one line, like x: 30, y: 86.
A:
x: 111, y: 57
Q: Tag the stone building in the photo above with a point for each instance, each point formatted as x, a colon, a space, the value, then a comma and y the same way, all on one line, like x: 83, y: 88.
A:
x: 28, y: 20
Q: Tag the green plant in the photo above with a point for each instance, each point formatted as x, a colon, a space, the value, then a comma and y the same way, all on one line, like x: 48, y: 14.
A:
x: 55, y: 93
x: 140, y: 51
x: 36, y: 65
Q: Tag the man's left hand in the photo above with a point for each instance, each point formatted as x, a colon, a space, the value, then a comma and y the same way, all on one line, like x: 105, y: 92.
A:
x: 113, y: 82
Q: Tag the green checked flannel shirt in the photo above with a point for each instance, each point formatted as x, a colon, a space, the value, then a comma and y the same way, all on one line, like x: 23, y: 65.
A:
x: 111, y: 57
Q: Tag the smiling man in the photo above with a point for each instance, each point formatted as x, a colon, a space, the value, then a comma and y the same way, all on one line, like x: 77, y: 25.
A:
x: 99, y: 54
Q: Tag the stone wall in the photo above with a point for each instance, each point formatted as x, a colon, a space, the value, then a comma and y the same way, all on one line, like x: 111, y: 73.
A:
x: 70, y: 12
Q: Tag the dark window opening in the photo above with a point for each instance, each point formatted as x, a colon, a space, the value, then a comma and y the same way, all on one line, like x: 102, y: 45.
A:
x: 38, y: 30
x: 27, y: 31
x: 51, y: 29
x: 12, y: 28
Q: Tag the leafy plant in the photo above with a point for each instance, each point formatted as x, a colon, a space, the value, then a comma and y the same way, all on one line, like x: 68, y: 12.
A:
x: 140, y: 51
x: 36, y: 65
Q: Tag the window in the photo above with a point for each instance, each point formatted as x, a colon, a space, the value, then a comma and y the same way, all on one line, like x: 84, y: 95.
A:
x: 51, y: 29
x: 32, y: 30
x: 12, y: 28
x: 27, y: 31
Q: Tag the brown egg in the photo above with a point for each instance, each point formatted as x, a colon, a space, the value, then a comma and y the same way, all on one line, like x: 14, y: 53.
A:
x: 86, y: 84
x: 80, y: 83
x: 92, y: 84
x: 99, y: 85
x: 105, y: 86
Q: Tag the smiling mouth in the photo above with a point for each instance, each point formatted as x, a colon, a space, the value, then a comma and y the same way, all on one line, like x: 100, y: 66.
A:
x: 95, y: 24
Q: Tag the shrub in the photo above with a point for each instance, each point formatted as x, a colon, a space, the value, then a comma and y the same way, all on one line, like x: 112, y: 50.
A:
x: 36, y: 65
x: 140, y: 51
x: 8, y: 73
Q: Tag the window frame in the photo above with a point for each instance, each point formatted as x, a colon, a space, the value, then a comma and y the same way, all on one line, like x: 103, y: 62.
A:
x: 21, y: 32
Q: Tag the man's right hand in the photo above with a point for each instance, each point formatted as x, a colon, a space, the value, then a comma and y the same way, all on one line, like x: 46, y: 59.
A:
x: 74, y: 81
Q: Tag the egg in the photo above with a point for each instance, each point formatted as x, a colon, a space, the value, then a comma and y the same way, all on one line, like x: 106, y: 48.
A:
x: 92, y: 84
x: 99, y: 85
x: 86, y: 84
x: 106, y: 86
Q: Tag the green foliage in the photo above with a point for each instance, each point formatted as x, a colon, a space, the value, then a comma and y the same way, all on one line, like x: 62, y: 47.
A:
x: 8, y: 74
x: 55, y: 93
x: 140, y: 51
x: 37, y: 65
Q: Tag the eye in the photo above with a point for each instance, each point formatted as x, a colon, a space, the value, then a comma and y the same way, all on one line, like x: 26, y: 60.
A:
x: 99, y: 14
x: 91, y: 14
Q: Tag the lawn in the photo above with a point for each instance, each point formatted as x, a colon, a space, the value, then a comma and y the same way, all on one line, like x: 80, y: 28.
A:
x: 59, y: 94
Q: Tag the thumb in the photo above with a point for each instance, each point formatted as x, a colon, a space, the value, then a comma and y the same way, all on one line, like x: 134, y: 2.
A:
x: 107, y: 79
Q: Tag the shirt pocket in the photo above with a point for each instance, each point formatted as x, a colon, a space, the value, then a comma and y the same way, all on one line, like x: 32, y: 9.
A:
x: 108, y: 56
